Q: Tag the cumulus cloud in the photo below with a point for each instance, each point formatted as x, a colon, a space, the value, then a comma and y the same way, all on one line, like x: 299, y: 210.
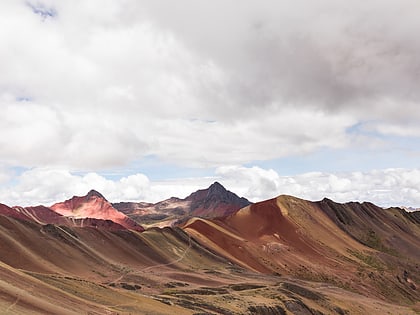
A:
x: 137, y: 78
x: 49, y: 185
x: 88, y: 86
x: 388, y: 187
x: 255, y: 183
x: 46, y: 186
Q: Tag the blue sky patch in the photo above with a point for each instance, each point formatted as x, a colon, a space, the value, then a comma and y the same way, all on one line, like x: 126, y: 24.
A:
x: 43, y: 11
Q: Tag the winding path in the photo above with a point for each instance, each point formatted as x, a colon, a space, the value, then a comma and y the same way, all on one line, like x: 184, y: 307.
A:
x: 177, y: 260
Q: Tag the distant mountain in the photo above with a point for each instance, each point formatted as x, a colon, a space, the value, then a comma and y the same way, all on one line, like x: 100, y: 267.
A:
x: 410, y: 209
x: 95, y: 206
x: 214, y: 201
x: 45, y: 216
x: 11, y: 212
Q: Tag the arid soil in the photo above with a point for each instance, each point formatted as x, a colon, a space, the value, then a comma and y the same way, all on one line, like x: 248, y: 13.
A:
x: 280, y: 256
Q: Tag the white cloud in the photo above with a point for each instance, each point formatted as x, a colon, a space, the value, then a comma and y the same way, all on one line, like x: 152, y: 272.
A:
x: 135, y: 78
x: 92, y: 85
x: 49, y: 185
x: 255, y: 183
x: 46, y: 186
x: 388, y: 187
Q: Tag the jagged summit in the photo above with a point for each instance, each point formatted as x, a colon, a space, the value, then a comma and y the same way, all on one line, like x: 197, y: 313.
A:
x: 214, y: 189
x: 94, y: 193
x: 217, y: 187
x: 215, y: 200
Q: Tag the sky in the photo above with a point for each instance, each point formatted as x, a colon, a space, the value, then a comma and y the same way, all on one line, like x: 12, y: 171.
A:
x: 147, y: 99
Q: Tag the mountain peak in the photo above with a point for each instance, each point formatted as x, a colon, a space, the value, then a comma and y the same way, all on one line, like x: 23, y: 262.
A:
x: 94, y: 206
x: 94, y: 193
x: 215, y: 201
x: 217, y: 187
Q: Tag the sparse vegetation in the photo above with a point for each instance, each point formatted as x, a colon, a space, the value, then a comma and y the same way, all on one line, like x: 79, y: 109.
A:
x: 373, y: 240
x: 369, y: 260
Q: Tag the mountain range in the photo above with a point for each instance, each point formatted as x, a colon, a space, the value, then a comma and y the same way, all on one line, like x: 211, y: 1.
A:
x: 212, y: 252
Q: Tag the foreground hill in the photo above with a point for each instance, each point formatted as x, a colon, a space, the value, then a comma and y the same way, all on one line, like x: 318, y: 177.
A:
x: 359, y: 247
x: 281, y: 256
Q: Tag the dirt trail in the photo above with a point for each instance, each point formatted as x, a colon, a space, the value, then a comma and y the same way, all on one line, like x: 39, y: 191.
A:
x: 172, y: 262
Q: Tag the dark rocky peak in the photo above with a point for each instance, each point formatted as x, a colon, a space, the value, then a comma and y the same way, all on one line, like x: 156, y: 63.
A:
x: 94, y: 193
x: 216, y: 188
x: 217, y: 192
x: 216, y: 196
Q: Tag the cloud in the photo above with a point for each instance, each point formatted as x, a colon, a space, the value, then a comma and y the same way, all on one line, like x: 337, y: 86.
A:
x: 387, y: 187
x: 206, y: 85
x: 50, y: 185
x: 139, y: 78
x: 330, y: 54
x: 254, y: 183
x: 46, y: 186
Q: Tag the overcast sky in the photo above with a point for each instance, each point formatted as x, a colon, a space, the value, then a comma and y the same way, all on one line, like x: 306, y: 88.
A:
x: 144, y: 100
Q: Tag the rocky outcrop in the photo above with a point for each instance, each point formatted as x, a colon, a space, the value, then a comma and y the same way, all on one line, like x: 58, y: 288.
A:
x: 266, y: 310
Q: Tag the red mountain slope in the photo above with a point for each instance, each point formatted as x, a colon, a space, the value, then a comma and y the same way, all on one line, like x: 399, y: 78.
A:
x: 373, y: 251
x: 11, y: 212
x: 95, y: 206
x: 44, y: 215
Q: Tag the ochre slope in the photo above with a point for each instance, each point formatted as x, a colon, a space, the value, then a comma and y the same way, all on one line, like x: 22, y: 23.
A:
x: 100, y: 270
x: 277, y: 238
x: 294, y: 237
x: 165, y: 271
x: 29, y: 293
x: 390, y: 230
x: 95, y: 253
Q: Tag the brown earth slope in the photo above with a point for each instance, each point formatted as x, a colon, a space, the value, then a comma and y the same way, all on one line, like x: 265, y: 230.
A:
x: 48, y: 269
x: 302, y: 239
x: 280, y: 256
